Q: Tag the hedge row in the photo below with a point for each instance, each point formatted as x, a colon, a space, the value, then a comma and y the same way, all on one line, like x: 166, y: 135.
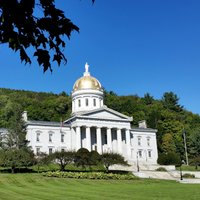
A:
x: 90, y: 175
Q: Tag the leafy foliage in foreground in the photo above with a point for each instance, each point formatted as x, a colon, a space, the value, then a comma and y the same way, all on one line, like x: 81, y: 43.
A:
x: 37, y: 24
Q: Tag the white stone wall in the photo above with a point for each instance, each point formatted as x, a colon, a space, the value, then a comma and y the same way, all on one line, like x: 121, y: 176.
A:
x: 44, y: 144
x: 136, y: 146
x: 144, y: 147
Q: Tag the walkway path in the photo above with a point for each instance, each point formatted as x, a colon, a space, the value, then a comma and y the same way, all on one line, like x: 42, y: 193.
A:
x: 169, y: 175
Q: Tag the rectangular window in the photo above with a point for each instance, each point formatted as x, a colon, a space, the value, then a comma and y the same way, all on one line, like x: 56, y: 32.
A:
x: 148, y: 141
x: 114, y: 135
x: 95, y: 138
x: 140, y: 153
x: 50, y: 150
x: 62, y: 137
x: 37, y: 137
x: 139, y: 141
x: 132, y: 139
x: 132, y: 153
x: 123, y: 136
x: 37, y: 151
x: 149, y: 154
x: 105, y: 138
x: 50, y: 137
x: 62, y: 150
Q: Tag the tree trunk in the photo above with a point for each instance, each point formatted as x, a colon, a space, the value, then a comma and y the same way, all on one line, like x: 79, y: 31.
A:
x: 12, y: 170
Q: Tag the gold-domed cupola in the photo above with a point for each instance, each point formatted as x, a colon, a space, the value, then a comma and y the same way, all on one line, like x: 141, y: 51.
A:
x: 87, y: 93
x: 87, y: 81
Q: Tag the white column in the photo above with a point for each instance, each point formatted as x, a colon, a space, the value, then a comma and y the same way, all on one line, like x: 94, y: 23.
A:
x: 78, y: 138
x: 128, y: 141
x: 119, y: 141
x: 99, y: 140
x: 109, y: 139
x: 88, y: 138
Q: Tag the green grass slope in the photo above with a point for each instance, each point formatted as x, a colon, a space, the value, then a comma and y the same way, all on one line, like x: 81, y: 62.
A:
x: 37, y: 187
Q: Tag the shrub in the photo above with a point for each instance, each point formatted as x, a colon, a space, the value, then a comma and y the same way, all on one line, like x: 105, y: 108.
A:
x: 82, y: 158
x: 161, y: 169
x: 170, y: 158
x: 90, y: 175
x: 187, y: 175
x: 109, y: 159
x: 195, y: 162
x: 95, y: 158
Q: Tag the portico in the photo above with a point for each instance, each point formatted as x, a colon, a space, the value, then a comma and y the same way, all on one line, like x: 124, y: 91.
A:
x: 102, y: 139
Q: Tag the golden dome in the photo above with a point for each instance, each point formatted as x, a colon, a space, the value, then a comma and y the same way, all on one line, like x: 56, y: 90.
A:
x: 87, y: 82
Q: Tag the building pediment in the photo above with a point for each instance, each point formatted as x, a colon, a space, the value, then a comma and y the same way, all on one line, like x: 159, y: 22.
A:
x: 103, y: 113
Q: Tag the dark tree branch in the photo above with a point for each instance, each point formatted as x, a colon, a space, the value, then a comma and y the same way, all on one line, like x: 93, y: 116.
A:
x: 21, y: 30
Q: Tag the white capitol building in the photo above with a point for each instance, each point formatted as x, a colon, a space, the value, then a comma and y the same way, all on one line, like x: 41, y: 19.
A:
x: 94, y: 126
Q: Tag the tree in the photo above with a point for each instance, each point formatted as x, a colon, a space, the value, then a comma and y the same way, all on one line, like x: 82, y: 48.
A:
x: 168, y: 143
x: 195, y: 161
x: 16, y: 136
x: 109, y: 159
x: 21, y: 29
x: 148, y: 99
x: 16, y: 158
x: 63, y: 158
x: 82, y: 158
x: 95, y: 158
x: 170, y: 158
x: 171, y: 102
x: 15, y: 151
x: 42, y: 159
x: 194, y: 142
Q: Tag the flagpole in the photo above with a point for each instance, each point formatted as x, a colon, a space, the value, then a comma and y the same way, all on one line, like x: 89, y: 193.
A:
x: 185, y: 145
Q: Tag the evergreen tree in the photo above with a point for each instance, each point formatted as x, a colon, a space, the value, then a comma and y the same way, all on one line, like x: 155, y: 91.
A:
x: 16, y: 152
x: 171, y: 102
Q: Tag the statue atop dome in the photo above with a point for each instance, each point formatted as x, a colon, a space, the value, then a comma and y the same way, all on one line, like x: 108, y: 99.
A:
x: 86, y: 73
x: 86, y: 67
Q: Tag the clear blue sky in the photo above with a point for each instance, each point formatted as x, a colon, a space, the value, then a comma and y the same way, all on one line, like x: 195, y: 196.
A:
x: 132, y: 47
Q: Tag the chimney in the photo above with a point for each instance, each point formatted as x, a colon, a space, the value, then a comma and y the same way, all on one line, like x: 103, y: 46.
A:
x: 142, y: 124
x: 25, y: 116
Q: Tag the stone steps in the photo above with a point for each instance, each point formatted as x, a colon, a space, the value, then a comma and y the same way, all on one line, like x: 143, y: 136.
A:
x: 155, y: 175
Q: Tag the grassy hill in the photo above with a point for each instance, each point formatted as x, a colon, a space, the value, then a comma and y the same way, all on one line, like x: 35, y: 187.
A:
x: 35, y: 186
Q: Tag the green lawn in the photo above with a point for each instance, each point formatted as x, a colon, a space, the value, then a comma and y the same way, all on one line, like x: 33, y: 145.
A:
x: 188, y: 168
x: 35, y: 187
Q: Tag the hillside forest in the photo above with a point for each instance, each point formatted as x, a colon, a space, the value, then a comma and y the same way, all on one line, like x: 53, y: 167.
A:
x: 166, y: 115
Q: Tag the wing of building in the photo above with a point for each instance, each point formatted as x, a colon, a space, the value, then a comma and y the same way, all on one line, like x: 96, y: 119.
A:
x: 94, y: 126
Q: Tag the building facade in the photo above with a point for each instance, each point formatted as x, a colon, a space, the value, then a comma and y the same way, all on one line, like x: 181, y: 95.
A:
x: 94, y: 126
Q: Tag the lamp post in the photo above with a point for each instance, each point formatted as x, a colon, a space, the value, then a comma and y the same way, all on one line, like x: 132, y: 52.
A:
x: 138, y: 168
x: 181, y: 173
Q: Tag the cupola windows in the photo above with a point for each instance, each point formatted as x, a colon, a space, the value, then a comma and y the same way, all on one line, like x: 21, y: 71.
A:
x: 94, y: 102
x: 79, y: 103
x: 86, y: 101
